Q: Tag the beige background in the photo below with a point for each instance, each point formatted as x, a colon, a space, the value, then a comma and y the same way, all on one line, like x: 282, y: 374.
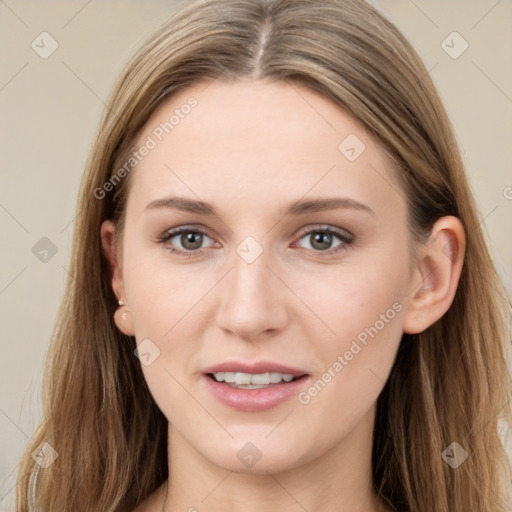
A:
x: 49, y: 110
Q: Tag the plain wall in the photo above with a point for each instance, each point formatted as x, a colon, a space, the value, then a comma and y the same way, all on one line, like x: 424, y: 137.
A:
x: 50, y: 109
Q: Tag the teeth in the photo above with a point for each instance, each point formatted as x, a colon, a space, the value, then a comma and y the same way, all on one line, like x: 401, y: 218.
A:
x: 244, y: 378
x: 253, y: 378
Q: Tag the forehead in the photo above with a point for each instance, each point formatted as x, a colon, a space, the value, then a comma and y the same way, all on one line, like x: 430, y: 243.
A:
x: 255, y: 142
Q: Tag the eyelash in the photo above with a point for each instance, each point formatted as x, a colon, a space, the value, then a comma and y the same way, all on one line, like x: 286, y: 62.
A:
x: 347, y: 240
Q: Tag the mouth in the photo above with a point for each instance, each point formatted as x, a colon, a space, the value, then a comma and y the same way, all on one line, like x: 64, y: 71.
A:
x: 254, y: 387
x: 241, y: 380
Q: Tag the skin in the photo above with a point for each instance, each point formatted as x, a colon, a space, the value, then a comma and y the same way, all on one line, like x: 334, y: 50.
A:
x: 250, y: 148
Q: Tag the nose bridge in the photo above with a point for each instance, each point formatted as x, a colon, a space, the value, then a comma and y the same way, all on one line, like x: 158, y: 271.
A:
x: 250, y: 278
x: 252, y: 300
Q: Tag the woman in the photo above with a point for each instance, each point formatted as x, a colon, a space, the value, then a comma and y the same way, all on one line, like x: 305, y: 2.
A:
x: 280, y: 295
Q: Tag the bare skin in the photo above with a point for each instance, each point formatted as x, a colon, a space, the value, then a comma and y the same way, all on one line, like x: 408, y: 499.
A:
x: 250, y: 149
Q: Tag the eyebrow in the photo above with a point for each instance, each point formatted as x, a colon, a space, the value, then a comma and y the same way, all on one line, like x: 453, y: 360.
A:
x: 300, y: 207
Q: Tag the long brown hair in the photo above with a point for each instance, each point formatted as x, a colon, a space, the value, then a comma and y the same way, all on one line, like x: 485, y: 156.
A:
x: 448, y: 384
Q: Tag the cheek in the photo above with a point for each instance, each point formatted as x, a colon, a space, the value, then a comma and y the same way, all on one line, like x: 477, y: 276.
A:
x: 166, y: 317
x: 160, y: 292
x: 163, y: 302
x: 356, y: 365
x: 363, y: 309
x: 355, y: 298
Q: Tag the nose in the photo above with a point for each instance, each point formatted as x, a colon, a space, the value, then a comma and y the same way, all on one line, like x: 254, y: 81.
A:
x: 253, y: 301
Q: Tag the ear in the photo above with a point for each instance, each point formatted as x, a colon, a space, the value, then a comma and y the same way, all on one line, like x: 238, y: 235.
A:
x: 437, y: 270
x: 110, y: 249
x: 122, y: 316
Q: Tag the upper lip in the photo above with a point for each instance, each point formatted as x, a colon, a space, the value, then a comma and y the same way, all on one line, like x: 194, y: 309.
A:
x: 254, y: 368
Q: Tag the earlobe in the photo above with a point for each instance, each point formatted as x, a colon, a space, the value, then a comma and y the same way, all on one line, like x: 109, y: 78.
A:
x: 437, y: 273
x: 123, y: 320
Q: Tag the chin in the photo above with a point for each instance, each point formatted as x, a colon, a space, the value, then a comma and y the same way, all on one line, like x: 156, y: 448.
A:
x: 258, y: 456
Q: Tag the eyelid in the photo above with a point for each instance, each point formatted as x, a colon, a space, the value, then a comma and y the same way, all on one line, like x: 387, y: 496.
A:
x: 342, y: 233
x: 195, y: 228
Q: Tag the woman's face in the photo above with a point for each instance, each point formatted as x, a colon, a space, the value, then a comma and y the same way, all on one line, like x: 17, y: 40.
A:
x: 298, y: 264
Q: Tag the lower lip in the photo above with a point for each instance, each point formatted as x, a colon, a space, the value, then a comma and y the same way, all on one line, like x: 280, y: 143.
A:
x: 254, y: 400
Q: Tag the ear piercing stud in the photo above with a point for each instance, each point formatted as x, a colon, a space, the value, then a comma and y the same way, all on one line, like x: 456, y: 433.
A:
x: 124, y: 314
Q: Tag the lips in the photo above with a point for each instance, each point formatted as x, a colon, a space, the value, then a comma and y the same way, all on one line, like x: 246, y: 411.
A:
x: 254, y: 368
x: 254, y: 398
